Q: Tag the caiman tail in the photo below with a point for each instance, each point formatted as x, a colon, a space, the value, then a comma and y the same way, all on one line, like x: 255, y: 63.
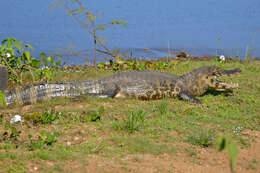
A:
x: 38, y: 92
x: 3, y: 78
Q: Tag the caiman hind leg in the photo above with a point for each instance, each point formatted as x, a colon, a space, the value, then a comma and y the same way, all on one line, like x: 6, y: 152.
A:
x: 108, y: 90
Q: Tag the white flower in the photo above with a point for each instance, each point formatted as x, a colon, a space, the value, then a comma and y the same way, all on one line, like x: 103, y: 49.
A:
x: 16, y: 118
x: 8, y: 55
x: 222, y: 58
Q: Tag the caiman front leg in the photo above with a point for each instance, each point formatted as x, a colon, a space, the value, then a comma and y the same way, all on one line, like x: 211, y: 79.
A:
x: 186, y: 96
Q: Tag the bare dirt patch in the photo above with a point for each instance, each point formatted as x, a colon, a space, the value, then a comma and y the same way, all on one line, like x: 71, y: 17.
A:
x: 205, y: 160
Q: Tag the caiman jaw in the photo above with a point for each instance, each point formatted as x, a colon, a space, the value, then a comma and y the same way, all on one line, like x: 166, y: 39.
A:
x: 221, y: 86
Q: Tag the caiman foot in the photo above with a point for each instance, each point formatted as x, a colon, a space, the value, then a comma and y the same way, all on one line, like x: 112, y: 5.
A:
x: 188, y: 97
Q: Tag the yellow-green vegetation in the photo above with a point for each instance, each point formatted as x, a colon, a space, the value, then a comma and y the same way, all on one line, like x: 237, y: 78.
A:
x: 60, y: 131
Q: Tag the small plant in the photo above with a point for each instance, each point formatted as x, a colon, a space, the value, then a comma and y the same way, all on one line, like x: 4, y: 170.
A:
x: 203, y: 138
x: 11, y: 134
x: 45, y: 139
x: 49, y: 64
x: 94, y: 116
x: 46, y: 117
x: 252, y: 164
x: 225, y: 142
x: 220, y: 59
x: 134, y: 121
x: 48, y: 138
x: 1, y: 118
x: 162, y: 107
x: 250, y: 50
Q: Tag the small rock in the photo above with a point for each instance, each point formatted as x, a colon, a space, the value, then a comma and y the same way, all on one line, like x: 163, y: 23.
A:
x: 183, y: 54
x: 27, y: 108
x: 68, y: 143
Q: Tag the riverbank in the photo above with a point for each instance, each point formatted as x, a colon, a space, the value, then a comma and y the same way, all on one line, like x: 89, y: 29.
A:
x: 99, y: 135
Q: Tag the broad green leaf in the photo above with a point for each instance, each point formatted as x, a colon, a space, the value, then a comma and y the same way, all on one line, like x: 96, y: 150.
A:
x: 27, y: 55
x: 35, y: 63
x: 43, y: 56
x: 2, y: 98
x: 3, y: 41
x: 233, y: 153
x: 101, y: 110
x: 28, y: 45
x: 58, y: 63
x: 18, y: 45
x: 50, y: 59
x: 221, y: 144
x: 3, y: 47
x: 9, y: 42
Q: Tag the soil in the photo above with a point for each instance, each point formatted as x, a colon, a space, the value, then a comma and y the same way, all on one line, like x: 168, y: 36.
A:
x: 206, y: 160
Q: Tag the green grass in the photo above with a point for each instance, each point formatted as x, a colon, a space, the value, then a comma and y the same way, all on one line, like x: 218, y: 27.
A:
x: 114, y: 128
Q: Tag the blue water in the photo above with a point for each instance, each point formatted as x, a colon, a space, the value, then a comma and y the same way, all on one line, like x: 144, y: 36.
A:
x: 188, y: 25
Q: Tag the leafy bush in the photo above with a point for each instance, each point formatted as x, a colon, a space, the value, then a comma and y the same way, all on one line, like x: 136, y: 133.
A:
x: 15, y: 55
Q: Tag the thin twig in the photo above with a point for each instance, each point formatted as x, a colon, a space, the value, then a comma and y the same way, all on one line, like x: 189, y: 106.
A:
x: 85, y: 26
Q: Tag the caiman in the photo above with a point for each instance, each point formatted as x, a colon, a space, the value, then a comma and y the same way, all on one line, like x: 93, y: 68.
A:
x: 134, y: 84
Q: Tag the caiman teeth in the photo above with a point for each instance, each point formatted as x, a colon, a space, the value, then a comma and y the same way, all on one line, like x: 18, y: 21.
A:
x: 230, y: 85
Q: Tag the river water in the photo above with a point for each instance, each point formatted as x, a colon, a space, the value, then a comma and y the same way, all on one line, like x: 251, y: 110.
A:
x: 198, y: 27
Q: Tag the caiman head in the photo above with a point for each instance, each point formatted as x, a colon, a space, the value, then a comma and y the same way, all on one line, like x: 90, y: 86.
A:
x: 202, y: 79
